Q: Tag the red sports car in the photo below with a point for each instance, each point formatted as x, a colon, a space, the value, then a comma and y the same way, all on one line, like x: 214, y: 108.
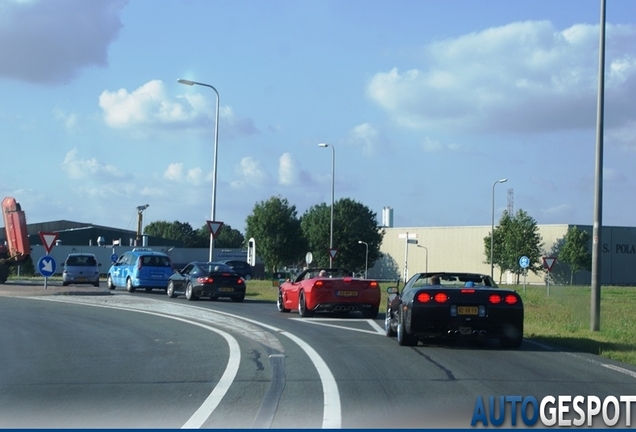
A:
x: 329, y: 290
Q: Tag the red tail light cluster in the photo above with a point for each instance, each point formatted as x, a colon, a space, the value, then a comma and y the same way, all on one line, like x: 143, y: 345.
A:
x: 206, y: 279
x: 319, y: 284
x: 425, y: 297
x: 374, y: 285
x: 508, y: 299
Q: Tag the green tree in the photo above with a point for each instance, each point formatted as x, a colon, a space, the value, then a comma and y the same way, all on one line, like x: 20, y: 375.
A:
x: 275, y: 227
x: 181, y: 231
x: 514, y: 237
x: 226, y: 238
x: 353, y: 222
x: 575, y: 251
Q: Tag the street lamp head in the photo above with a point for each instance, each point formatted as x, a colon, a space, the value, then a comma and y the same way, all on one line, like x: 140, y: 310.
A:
x: 502, y: 181
x: 143, y: 207
x: 323, y: 145
x: 186, y: 82
x: 360, y: 242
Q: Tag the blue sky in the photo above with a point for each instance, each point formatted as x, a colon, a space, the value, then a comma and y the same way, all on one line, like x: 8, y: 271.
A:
x: 425, y: 103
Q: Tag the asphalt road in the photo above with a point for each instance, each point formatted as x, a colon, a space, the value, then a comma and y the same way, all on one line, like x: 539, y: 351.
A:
x: 145, y: 361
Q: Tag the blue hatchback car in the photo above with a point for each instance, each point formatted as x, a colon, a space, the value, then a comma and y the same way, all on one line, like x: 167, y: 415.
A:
x: 140, y: 268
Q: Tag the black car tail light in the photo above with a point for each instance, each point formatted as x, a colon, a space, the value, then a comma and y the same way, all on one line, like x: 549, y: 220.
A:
x: 205, y: 279
x: 467, y: 291
x: 441, y: 297
x: 240, y: 281
x: 511, y: 299
x: 494, y: 298
x: 423, y: 297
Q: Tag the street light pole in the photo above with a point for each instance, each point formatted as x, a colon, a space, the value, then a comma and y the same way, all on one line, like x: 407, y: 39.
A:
x: 216, y: 148
x: 492, y: 227
x: 424, y: 247
x: 366, y: 259
x: 333, y: 181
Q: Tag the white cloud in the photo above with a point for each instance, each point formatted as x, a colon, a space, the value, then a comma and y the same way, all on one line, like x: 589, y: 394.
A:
x: 250, y: 174
x: 524, y: 76
x: 77, y: 168
x: 57, y: 39
x: 287, y: 172
x: 368, y: 138
x: 151, y: 106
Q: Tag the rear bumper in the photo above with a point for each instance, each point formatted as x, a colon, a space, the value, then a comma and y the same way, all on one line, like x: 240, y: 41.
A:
x: 438, y: 322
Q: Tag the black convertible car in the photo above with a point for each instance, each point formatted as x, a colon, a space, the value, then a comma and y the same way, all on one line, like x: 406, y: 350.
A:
x: 207, y: 279
x: 454, y: 305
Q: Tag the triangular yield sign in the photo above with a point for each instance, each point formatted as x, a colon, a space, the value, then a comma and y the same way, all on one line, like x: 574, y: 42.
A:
x: 333, y: 252
x: 48, y: 240
x: 214, y: 227
x: 548, y: 262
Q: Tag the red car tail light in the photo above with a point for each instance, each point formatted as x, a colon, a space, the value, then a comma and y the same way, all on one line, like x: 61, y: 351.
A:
x: 423, y: 297
x: 467, y: 291
x: 374, y: 285
x: 494, y: 298
x: 441, y: 297
x: 511, y: 299
x: 240, y: 281
x: 319, y: 284
x: 205, y: 279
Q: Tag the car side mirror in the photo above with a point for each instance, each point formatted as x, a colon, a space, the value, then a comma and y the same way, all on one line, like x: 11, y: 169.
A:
x: 393, y: 290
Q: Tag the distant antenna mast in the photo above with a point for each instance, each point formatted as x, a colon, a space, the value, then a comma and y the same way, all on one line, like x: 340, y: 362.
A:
x: 511, y: 202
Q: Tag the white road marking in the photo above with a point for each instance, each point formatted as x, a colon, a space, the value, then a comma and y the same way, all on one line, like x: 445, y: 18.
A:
x: 325, y: 322
x: 332, y: 412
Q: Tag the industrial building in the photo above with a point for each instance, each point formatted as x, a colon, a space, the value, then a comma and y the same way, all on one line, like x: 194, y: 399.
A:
x: 408, y: 250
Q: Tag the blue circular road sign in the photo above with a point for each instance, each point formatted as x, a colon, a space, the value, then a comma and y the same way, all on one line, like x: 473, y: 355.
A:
x: 114, y: 257
x: 524, y: 262
x: 47, y: 266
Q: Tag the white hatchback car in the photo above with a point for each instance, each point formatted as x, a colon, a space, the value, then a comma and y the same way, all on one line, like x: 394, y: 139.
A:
x: 81, y: 268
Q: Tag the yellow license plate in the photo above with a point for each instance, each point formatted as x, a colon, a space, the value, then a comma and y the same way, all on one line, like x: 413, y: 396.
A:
x: 467, y: 310
x: 347, y: 293
x: 226, y: 289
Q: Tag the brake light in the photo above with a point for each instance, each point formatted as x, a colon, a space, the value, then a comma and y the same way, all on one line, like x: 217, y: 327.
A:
x: 240, y: 281
x: 423, y: 297
x: 319, y: 284
x: 467, y: 291
x: 206, y: 279
x: 441, y: 297
x: 374, y: 285
x: 494, y: 298
x: 511, y: 299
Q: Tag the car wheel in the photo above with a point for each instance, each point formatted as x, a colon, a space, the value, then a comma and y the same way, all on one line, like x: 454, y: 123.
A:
x: 190, y: 293
x: 238, y: 299
x: 371, y: 313
x: 129, y: 286
x: 280, y: 304
x: 170, y: 290
x: 302, y: 306
x: 512, y: 337
x: 388, y: 329
x: 403, y: 338
x: 109, y: 283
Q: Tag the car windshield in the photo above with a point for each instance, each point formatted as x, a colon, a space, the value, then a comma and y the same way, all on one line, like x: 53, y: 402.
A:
x: 81, y: 260
x: 216, y: 268
x: 155, y: 261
